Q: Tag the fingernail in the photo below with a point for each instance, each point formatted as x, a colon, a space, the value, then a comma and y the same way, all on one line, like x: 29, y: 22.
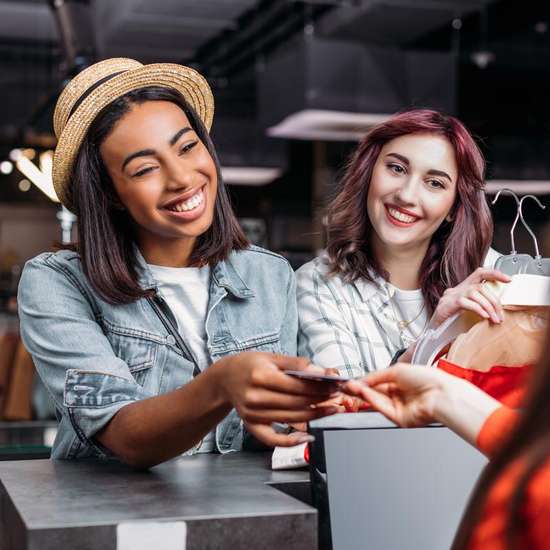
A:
x: 305, y: 439
x: 315, y: 369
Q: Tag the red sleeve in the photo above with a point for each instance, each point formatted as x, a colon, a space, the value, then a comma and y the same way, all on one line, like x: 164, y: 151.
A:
x: 537, y: 509
x: 496, y: 430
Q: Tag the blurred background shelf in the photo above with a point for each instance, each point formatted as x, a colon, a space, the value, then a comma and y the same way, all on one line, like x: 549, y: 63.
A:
x: 27, y: 439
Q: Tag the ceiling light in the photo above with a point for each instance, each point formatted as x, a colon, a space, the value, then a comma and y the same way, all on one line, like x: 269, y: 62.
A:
x: 321, y: 124
x: 541, y: 27
x: 15, y: 154
x: 45, y: 161
x: 482, y: 58
x: 41, y: 177
x: 24, y: 185
x: 6, y: 167
x: 249, y: 175
x: 29, y: 153
x: 456, y: 23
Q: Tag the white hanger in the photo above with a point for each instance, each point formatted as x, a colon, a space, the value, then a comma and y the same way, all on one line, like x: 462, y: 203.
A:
x: 530, y: 287
x: 515, y: 263
x: 434, y: 341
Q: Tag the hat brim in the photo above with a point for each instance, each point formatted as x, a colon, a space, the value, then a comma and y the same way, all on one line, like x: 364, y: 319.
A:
x: 185, y: 80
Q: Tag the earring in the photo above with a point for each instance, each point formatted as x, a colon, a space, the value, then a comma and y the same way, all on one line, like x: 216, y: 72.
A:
x: 449, y: 218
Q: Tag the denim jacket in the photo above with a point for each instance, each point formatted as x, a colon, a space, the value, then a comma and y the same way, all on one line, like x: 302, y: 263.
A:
x: 95, y: 357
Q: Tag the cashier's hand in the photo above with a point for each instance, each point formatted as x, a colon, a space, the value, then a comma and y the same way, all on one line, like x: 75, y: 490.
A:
x: 260, y: 391
x: 407, y: 394
x: 471, y: 294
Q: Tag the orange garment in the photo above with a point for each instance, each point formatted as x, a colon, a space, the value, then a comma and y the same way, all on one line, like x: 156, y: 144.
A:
x: 505, y: 383
x: 490, y: 532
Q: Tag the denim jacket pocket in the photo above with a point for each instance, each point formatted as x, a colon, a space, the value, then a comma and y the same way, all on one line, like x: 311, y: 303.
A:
x: 141, y: 371
x: 270, y: 342
x: 140, y: 356
x: 138, y: 351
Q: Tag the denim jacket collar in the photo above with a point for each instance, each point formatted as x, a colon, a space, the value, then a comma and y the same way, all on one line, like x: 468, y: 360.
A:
x: 224, y: 275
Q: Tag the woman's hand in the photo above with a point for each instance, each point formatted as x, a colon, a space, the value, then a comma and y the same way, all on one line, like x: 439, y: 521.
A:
x: 412, y: 396
x: 407, y: 394
x: 257, y: 387
x: 471, y: 294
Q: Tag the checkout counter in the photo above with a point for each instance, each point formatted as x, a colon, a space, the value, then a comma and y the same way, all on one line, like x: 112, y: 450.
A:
x: 229, y: 501
x: 236, y: 501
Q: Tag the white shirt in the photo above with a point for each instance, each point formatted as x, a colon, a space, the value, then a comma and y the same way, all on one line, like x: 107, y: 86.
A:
x: 355, y: 327
x: 408, y: 311
x: 186, y: 291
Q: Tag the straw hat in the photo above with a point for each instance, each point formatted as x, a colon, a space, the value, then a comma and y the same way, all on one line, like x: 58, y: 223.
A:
x: 102, y: 83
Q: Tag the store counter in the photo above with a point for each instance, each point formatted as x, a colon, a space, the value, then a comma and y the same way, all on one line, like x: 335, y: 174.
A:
x: 229, y: 501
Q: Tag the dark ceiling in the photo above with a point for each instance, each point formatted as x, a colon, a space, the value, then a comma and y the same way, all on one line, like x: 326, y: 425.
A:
x: 505, y: 103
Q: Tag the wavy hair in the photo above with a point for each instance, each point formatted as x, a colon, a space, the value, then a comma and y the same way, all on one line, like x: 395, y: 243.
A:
x: 456, y: 249
x: 106, y: 236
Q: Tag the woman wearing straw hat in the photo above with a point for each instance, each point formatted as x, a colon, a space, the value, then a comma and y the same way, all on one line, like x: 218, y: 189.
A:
x: 161, y: 328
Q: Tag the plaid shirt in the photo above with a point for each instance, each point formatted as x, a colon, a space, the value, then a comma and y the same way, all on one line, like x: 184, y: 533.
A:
x: 349, y: 326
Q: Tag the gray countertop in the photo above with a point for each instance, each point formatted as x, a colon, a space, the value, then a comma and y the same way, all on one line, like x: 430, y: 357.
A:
x: 227, y: 501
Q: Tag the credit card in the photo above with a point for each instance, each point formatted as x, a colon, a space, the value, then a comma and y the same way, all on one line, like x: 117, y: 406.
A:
x: 317, y: 377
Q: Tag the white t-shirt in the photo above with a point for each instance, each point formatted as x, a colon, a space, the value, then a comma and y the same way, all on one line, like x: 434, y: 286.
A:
x: 186, y: 291
x: 409, y: 309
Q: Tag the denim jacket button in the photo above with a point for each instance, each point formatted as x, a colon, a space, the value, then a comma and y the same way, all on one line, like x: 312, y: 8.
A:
x: 170, y: 340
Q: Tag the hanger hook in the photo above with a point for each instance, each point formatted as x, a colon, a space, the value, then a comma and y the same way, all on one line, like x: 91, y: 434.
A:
x: 513, y: 228
x: 525, y: 223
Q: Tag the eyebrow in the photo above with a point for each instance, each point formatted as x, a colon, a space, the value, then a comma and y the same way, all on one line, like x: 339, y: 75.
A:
x: 432, y: 172
x: 148, y: 152
x: 180, y: 133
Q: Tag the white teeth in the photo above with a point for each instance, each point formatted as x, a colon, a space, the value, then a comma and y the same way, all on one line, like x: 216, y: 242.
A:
x: 189, y: 204
x: 398, y: 215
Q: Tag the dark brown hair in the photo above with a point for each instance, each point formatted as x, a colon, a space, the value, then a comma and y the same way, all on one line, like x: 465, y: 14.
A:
x: 456, y: 249
x: 530, y: 440
x: 106, y: 238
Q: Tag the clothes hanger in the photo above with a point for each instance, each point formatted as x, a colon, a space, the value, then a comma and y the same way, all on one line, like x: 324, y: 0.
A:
x: 524, y: 291
x: 512, y: 263
x: 530, y: 286
x: 515, y: 263
x: 538, y: 265
x: 521, y: 338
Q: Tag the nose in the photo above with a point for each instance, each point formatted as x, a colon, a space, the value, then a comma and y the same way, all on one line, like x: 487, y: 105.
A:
x: 407, y: 193
x: 178, y: 175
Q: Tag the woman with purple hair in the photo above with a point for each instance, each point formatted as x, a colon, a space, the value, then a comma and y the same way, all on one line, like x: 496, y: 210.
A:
x: 409, y: 237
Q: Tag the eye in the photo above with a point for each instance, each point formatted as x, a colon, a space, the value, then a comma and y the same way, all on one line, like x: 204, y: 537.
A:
x: 143, y: 172
x: 396, y: 168
x: 188, y: 146
x: 436, y: 184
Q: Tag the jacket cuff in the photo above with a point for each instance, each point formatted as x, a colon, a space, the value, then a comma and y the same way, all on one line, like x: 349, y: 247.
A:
x: 91, y: 399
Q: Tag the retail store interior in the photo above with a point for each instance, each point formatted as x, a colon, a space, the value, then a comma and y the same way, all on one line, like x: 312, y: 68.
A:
x: 297, y: 83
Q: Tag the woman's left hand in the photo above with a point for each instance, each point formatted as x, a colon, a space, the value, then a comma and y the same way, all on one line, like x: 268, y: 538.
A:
x: 412, y: 396
x: 406, y: 394
x: 471, y: 294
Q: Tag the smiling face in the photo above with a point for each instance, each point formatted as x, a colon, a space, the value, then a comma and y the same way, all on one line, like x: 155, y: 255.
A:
x: 164, y: 177
x: 412, y: 190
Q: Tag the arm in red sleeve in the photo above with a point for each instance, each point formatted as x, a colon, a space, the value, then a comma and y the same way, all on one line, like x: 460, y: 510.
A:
x: 496, y: 429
